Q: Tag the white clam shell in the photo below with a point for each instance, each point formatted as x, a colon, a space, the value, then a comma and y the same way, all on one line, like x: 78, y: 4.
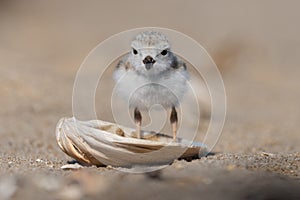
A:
x: 99, y: 143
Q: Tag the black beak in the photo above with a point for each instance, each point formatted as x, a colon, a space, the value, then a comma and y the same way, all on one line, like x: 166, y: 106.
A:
x: 148, y: 61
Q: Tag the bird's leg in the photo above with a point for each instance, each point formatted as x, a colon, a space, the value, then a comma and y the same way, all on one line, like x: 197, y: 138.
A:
x: 138, y: 122
x: 174, y: 122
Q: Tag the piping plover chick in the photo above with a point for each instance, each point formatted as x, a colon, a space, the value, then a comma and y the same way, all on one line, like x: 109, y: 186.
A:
x: 151, y: 74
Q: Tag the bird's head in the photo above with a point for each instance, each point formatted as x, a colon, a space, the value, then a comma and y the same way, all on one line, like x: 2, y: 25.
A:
x: 151, y: 53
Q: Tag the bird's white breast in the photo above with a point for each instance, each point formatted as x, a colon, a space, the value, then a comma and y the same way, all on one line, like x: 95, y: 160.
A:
x: 142, y: 92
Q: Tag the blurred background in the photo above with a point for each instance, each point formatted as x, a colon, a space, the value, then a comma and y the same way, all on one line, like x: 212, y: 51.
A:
x: 255, y: 45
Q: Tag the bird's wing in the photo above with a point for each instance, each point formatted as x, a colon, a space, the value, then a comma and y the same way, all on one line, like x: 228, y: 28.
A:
x: 124, y: 63
x: 178, y: 64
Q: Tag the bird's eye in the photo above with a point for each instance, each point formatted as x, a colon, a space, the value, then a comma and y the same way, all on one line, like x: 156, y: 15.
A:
x: 134, y: 51
x: 164, y: 52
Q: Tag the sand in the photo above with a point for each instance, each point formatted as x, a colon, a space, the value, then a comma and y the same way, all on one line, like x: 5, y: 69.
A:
x: 256, y: 46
